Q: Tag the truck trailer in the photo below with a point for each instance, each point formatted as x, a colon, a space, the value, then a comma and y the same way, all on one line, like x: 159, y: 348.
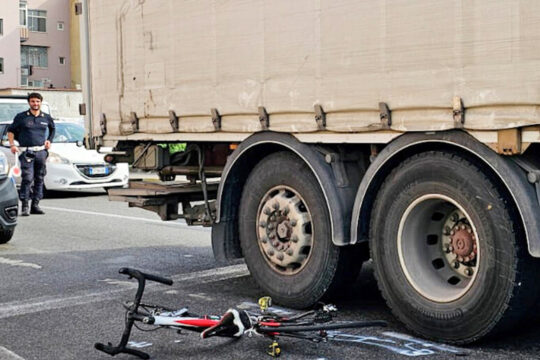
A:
x: 318, y: 135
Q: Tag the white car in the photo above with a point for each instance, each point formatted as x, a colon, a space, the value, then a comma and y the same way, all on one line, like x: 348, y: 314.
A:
x: 70, y: 166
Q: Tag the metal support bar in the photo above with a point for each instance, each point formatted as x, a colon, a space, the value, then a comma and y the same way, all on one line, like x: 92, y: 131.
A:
x: 209, y: 171
x: 216, y: 119
x: 374, y: 151
x: 458, y: 112
x: 173, y: 120
x: 385, y: 115
x: 264, y: 118
x: 320, y: 117
x: 198, y: 215
x: 164, y: 200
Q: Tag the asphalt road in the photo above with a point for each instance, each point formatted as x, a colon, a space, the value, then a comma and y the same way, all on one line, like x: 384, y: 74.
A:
x: 60, y: 292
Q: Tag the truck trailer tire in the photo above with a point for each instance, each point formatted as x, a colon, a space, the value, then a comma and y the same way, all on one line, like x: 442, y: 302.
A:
x: 285, y: 233
x: 450, y: 257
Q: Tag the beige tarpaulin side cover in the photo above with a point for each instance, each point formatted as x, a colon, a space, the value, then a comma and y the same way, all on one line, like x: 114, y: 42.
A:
x: 190, y: 56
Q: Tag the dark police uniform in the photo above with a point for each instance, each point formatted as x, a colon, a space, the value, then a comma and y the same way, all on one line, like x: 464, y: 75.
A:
x: 31, y: 131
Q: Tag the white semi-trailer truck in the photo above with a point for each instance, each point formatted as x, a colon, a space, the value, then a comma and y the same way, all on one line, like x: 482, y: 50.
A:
x: 322, y: 133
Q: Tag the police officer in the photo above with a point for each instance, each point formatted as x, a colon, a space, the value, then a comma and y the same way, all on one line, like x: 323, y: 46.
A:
x: 29, y: 128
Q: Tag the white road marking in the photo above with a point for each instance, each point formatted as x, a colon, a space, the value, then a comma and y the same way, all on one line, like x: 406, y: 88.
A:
x: 35, y: 305
x: 6, y: 354
x: 117, y: 282
x: 426, y: 344
x: 213, y: 275
x: 13, y: 262
x: 139, y: 344
x: 172, y: 222
x: 201, y: 296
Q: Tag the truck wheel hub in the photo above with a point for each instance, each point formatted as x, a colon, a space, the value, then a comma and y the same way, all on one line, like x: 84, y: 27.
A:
x: 463, y: 241
x: 284, y: 230
x: 438, y: 248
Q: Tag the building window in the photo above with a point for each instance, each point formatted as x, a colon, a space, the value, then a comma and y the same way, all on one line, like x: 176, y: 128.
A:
x: 37, y: 20
x: 62, y: 60
x: 22, y: 13
x: 24, y: 76
x: 1, y: 26
x: 35, y: 83
x: 60, y: 26
x: 1, y: 65
x: 34, y: 56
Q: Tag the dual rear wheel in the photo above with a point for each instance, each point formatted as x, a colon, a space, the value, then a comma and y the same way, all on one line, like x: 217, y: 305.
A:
x: 448, y: 250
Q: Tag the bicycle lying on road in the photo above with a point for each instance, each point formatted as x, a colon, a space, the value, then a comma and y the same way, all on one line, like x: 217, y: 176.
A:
x: 312, y: 325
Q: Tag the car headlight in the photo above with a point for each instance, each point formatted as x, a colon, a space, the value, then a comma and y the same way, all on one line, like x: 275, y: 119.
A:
x: 57, y: 159
x: 4, y: 165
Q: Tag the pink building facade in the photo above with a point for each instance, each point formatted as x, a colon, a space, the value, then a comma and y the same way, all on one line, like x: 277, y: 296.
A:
x: 35, y: 46
x: 10, y: 49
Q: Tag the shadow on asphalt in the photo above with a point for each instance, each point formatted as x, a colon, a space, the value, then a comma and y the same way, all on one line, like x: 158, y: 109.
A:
x: 364, y: 296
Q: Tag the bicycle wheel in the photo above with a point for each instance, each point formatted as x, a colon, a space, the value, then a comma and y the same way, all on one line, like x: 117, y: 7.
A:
x: 334, y: 325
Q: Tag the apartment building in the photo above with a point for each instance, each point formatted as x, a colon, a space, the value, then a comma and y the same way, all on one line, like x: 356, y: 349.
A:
x: 35, y: 44
x: 10, y: 49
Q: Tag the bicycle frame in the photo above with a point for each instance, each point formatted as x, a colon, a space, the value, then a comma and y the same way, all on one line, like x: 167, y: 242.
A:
x: 185, y: 322
x: 265, y: 324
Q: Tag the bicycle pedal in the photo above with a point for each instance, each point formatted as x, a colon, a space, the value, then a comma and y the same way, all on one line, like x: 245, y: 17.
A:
x: 265, y: 302
x: 274, y: 350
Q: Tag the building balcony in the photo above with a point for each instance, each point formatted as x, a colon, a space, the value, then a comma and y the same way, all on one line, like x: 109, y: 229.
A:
x: 24, y: 33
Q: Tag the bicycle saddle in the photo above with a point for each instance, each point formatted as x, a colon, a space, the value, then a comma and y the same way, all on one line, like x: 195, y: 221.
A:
x: 232, y: 324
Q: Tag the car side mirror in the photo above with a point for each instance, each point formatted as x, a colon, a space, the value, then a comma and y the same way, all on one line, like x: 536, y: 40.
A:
x: 79, y: 143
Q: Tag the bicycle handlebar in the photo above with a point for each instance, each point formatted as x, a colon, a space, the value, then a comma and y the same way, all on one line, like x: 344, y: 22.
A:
x: 139, y: 275
x: 132, y: 314
x: 114, y: 350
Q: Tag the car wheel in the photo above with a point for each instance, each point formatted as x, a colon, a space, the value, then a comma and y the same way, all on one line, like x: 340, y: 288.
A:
x: 6, y: 235
x: 449, y: 254
x: 285, y: 234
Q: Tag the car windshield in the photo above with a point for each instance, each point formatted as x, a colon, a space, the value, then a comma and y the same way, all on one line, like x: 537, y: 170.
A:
x: 8, y: 110
x: 68, y: 132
